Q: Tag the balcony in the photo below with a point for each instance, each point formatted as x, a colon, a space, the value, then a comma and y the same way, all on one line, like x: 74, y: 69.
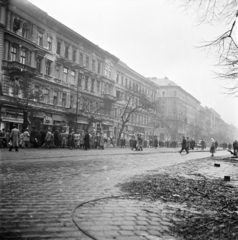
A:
x: 109, y: 97
x: 18, y: 67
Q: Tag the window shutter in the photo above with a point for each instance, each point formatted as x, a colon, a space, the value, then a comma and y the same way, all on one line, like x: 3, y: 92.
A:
x: 67, y: 100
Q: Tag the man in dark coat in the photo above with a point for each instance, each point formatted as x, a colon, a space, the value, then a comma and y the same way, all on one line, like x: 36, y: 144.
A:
x: 86, y: 141
x: 56, y: 138
x: 216, y: 145
x: 203, y: 144
x: 235, y: 147
x: 35, y: 137
x: 156, y: 143
x: 184, y: 146
x: 71, y: 139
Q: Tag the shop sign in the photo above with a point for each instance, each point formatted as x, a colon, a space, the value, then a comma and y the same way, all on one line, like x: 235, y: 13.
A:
x: 47, y: 120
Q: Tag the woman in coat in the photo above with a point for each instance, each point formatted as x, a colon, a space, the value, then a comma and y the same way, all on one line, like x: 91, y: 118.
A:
x: 86, y: 140
x: 15, y: 137
x: 212, y: 148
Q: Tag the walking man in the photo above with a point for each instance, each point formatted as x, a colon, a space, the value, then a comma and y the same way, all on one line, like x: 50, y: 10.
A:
x: 184, y: 146
x: 15, y: 137
x: 212, y: 148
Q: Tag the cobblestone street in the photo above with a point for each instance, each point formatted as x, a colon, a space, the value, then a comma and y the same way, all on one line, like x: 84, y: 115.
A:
x: 41, y: 188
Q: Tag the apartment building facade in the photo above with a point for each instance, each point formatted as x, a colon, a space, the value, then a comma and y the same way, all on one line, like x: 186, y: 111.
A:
x: 75, y: 76
x: 186, y: 117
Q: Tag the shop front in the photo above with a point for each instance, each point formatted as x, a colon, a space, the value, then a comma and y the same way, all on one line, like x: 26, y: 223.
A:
x: 11, y: 116
x: 107, y: 128
x: 82, y: 124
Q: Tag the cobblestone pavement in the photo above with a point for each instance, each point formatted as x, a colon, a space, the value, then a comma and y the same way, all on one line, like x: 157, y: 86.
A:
x: 41, y: 188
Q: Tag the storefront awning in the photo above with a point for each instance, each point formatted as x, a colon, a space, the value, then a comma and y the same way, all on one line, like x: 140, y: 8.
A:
x: 12, y: 120
x: 82, y: 121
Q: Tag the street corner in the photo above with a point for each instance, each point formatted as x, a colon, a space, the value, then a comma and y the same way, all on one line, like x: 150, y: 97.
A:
x: 122, y: 217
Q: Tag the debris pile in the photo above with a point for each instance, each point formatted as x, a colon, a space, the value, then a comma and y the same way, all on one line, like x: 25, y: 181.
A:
x: 215, y: 202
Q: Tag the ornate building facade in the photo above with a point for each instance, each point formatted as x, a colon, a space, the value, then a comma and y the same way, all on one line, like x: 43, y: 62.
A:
x: 74, y: 76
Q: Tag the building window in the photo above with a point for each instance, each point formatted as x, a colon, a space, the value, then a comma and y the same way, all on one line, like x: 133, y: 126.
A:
x: 66, y: 70
x: 175, y: 93
x: 79, y: 80
x: 81, y: 58
x: 99, y: 67
x: 73, y: 77
x: 13, y: 53
x: 87, y: 62
x: 66, y: 53
x: 126, y: 82
x: 98, y: 86
x: 58, y: 47
x: 25, y: 31
x: 63, y: 99
x: 117, y: 79
x: 92, y: 85
x: 55, y: 99
x: 49, y: 43
x: 40, y: 39
x: 109, y: 72
x: 57, y: 71
x: 122, y: 80
x: 23, y: 56
x: 38, y: 64
x: 86, y: 82
x: 71, y: 101
x: 163, y: 94
x: 74, y: 55
x: 94, y: 65
x: 118, y: 95
x: 48, y: 67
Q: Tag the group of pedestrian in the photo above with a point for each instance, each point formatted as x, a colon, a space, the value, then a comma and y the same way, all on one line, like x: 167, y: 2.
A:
x: 136, y: 142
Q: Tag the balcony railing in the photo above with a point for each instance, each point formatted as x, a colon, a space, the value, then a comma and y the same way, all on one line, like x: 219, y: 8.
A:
x: 14, y: 65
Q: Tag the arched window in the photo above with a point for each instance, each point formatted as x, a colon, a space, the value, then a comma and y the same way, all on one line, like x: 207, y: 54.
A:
x: 16, y: 24
x: 25, y: 30
x: 163, y: 94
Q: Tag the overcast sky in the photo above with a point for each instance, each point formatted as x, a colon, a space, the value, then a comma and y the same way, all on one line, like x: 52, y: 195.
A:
x: 156, y: 38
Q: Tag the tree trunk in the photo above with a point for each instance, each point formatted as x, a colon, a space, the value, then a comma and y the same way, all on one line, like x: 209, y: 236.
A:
x: 25, y: 119
x: 121, y: 130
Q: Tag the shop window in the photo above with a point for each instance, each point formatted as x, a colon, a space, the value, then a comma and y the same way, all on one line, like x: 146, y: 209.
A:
x: 13, y: 53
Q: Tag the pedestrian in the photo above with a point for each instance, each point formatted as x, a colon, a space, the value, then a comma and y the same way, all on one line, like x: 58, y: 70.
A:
x: 48, y: 139
x: 63, y: 139
x: 184, y: 145
x: 134, y: 142
x: 76, y: 139
x: 57, y: 138
x: 203, y: 144
x: 140, y: 143
x: 71, y: 139
x: 216, y: 145
x: 187, y: 143
x: 34, y: 137
x: 102, y: 142
x: 86, y: 141
x: 156, y: 142
x: 26, y: 138
x: 21, y: 140
x: 229, y: 146
x: 212, y: 148
x: 15, y: 137
x: 235, y: 147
